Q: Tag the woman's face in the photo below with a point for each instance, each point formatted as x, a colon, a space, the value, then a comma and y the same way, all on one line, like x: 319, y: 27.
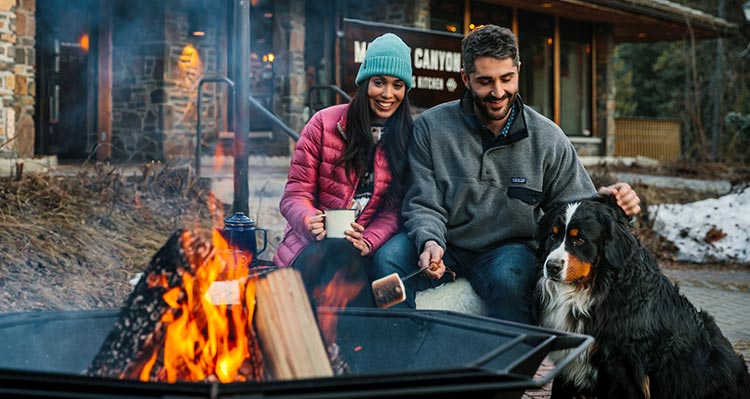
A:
x: 385, y: 94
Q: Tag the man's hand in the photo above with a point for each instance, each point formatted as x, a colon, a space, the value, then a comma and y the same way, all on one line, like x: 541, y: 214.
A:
x: 355, y: 237
x: 626, y: 197
x: 431, y: 260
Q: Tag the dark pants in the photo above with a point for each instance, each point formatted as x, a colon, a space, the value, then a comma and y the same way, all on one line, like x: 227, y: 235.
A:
x: 335, y: 274
x: 504, y: 277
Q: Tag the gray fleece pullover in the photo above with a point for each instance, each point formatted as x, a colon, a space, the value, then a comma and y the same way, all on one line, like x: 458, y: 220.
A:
x: 477, y: 199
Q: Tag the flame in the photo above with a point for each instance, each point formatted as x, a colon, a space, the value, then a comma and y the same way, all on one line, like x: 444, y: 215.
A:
x: 205, y: 337
x: 338, y: 293
x: 216, y: 210
x: 219, y: 158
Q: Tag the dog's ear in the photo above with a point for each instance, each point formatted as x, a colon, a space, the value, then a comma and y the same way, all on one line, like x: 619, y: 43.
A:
x: 550, y: 214
x: 611, y: 204
x: 619, y: 243
x: 544, y: 227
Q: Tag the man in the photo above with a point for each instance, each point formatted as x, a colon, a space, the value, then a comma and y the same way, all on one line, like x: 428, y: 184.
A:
x: 483, y: 171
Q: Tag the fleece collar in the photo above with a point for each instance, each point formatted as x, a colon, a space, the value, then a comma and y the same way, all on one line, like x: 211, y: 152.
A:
x: 516, y: 132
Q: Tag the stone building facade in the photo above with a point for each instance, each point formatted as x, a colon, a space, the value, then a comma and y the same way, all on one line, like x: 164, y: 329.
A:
x: 157, y: 65
x: 17, y: 86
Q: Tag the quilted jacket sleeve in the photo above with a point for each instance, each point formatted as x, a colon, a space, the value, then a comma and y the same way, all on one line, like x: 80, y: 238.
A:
x: 299, y: 200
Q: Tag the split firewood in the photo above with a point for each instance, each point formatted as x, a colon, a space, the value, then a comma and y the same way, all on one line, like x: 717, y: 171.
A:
x: 289, y: 334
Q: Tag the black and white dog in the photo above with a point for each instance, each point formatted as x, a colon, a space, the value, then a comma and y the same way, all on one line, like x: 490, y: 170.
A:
x: 596, y: 278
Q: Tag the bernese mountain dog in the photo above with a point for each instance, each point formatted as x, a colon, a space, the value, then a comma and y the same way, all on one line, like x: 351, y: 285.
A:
x: 597, y: 278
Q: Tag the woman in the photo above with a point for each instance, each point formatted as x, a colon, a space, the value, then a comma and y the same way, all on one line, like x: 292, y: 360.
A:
x: 350, y: 156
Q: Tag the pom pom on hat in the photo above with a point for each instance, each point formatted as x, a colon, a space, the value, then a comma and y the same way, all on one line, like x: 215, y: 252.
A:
x: 387, y: 55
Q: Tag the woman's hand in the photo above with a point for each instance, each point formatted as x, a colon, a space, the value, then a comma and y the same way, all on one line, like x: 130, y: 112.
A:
x: 355, y: 237
x: 316, y: 226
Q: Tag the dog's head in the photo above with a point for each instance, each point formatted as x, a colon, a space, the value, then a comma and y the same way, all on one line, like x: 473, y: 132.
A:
x: 579, y: 239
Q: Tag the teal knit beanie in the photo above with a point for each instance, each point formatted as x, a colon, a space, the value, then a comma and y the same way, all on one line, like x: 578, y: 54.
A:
x: 387, y: 55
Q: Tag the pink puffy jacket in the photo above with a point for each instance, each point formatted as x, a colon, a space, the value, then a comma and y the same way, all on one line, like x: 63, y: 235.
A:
x: 314, y: 184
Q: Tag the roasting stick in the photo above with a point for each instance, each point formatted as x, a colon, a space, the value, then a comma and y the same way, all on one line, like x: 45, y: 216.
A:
x: 389, y: 290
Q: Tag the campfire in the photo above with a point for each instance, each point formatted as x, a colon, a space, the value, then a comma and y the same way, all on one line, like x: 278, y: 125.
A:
x: 203, y: 321
x: 199, y: 313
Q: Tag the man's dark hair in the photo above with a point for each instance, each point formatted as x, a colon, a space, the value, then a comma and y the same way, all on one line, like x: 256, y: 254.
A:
x: 488, y: 41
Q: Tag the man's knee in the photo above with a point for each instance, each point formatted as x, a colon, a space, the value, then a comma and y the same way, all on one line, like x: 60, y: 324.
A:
x: 396, y: 255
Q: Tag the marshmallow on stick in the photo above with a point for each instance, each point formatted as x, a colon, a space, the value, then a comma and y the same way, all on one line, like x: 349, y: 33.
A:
x: 389, y: 290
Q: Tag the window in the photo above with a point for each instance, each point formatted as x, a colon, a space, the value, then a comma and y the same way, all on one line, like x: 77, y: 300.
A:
x: 261, y: 61
x: 575, y: 78
x: 483, y: 14
x: 536, y: 33
x: 447, y: 16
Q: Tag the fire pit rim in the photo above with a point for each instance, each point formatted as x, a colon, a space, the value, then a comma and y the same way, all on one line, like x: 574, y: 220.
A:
x: 470, y: 378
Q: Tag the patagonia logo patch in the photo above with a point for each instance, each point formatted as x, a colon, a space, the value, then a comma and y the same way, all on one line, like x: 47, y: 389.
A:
x: 518, y: 180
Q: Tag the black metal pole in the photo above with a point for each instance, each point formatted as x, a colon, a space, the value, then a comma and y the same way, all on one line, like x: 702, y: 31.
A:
x: 241, y: 62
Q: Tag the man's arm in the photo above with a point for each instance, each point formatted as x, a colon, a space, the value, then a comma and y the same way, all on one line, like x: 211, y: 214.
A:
x: 424, y: 213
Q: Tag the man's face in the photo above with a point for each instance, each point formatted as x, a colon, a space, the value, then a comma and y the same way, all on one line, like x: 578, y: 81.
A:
x: 494, y: 87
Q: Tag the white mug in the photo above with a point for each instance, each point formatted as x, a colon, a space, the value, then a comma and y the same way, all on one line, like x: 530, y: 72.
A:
x: 337, y: 221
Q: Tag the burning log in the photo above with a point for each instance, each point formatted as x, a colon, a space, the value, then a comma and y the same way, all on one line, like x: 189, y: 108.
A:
x: 139, y: 328
x: 194, y: 314
x: 170, y: 300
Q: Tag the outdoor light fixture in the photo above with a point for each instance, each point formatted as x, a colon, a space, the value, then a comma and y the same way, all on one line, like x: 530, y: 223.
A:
x: 197, y: 21
x: 746, y: 10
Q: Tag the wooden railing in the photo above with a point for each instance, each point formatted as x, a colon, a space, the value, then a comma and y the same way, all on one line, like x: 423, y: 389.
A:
x: 653, y: 138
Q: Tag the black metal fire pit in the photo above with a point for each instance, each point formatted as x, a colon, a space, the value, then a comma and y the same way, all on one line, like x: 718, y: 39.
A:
x: 391, y: 353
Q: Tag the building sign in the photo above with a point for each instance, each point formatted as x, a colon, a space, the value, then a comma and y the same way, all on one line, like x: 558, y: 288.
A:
x: 435, y: 56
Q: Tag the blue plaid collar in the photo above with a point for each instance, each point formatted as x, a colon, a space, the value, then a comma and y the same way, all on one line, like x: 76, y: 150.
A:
x: 510, y: 120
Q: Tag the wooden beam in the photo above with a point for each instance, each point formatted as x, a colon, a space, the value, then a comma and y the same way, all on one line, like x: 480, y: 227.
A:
x: 104, y: 86
x: 467, y: 16
x: 556, y: 72
x: 592, y: 101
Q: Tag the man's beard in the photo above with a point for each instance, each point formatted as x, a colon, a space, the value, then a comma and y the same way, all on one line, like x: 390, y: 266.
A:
x: 481, y: 104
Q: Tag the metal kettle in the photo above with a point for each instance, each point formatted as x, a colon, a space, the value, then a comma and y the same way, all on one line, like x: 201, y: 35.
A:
x: 241, y: 233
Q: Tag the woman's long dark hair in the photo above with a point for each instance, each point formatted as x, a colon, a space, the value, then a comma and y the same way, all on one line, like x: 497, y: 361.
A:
x: 359, y: 145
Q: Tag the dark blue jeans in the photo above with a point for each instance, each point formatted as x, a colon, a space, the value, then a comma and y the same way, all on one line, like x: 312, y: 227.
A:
x: 335, y: 274
x: 504, y: 277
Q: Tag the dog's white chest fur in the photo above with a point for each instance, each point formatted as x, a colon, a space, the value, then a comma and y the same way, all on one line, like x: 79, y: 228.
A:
x: 565, y: 307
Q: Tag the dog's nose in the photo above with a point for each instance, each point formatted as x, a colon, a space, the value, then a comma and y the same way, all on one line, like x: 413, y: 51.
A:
x: 553, y: 267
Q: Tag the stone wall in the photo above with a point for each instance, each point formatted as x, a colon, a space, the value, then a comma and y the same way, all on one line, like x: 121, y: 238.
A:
x: 17, y: 88
x: 415, y: 14
x: 156, y: 69
x: 138, y: 54
x: 190, y: 59
x: 290, y: 86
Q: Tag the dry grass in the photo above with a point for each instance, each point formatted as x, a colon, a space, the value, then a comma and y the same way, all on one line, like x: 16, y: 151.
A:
x: 72, y: 242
